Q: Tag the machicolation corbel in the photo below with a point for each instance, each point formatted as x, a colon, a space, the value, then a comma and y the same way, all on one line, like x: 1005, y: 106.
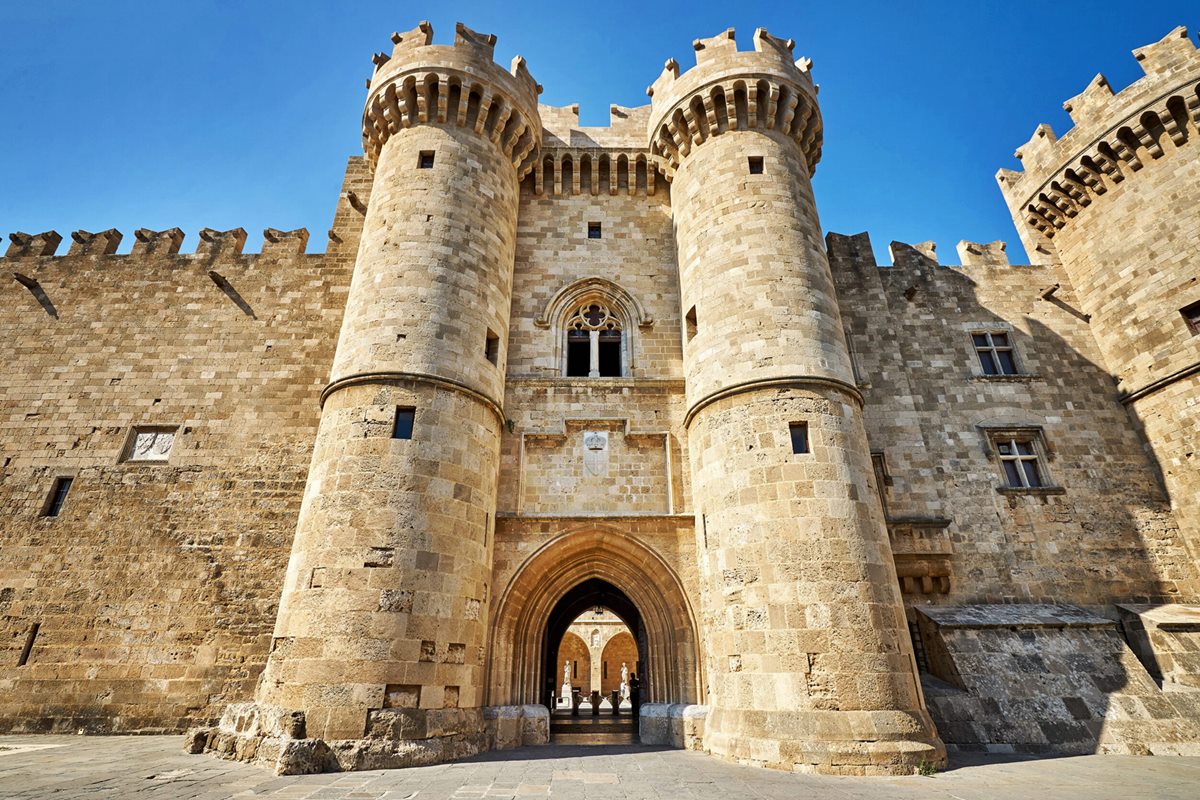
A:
x: 213, y: 242
x: 25, y: 245
x: 148, y: 242
x: 102, y: 243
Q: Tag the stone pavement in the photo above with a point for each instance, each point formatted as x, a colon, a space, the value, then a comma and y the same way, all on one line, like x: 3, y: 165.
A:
x: 69, y: 767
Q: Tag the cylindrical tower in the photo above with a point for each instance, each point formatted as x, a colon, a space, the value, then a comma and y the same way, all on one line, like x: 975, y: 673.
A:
x: 385, y: 601
x: 1114, y: 199
x: 810, y: 664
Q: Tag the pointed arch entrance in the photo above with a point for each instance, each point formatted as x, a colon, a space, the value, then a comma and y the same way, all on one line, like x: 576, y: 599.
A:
x: 571, y: 571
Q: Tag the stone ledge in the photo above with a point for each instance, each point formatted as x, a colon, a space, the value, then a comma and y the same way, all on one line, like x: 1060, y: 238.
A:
x: 1016, y: 615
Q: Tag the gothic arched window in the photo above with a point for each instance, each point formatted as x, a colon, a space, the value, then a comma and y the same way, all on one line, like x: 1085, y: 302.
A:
x: 594, y: 342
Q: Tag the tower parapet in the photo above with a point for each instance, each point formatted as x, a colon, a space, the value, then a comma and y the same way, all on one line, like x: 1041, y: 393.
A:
x: 731, y: 90
x: 1112, y: 199
x: 809, y: 660
x: 461, y: 85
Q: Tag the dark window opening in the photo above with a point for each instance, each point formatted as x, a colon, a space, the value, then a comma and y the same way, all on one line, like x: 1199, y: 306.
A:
x: 756, y: 165
x: 574, y: 669
x: 402, y: 428
x: 491, y: 348
x: 995, y: 353
x: 690, y: 323
x: 1191, y: 315
x: 799, y: 431
x: 58, y: 496
x: 1020, y: 461
x: 425, y: 161
x: 610, y: 354
x: 593, y: 230
x: 578, y: 354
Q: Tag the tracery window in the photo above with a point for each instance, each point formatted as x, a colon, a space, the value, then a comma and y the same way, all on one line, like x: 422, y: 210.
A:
x: 594, y: 342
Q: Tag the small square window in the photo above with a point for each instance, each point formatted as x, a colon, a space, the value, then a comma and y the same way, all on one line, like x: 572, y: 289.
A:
x: 425, y: 161
x: 491, y: 348
x: 58, y: 496
x: 151, y: 443
x: 756, y: 165
x: 1021, y: 459
x: 995, y: 353
x: 402, y: 428
x: 799, y: 431
x: 593, y: 230
x: 1191, y: 315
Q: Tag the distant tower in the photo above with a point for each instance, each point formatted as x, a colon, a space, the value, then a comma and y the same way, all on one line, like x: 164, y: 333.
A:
x: 386, y: 595
x: 810, y: 663
x: 1115, y: 200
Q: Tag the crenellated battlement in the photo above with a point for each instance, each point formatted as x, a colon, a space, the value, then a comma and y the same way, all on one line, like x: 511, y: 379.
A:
x: 1114, y: 136
x: 154, y: 243
x: 856, y: 249
x: 734, y: 90
x: 422, y: 83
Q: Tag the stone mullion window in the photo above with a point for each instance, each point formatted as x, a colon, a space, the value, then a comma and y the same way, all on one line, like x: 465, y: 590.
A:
x: 594, y: 333
x: 995, y: 353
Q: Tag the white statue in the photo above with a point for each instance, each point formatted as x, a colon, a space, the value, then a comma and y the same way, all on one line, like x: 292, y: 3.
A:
x: 566, y: 686
x: 624, y: 681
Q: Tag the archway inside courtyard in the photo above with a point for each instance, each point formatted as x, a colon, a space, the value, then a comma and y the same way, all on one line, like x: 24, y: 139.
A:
x: 577, y: 571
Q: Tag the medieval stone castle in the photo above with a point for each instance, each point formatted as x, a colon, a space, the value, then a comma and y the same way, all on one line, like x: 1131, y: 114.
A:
x: 338, y: 510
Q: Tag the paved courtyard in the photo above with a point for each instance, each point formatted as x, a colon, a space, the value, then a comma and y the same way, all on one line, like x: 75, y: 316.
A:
x: 67, y: 767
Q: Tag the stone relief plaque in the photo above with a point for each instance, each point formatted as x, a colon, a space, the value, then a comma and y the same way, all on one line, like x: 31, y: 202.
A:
x: 152, y: 445
x: 595, y: 452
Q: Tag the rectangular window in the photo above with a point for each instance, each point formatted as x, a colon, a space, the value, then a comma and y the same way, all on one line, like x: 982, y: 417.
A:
x: 1191, y: 315
x: 425, y: 161
x: 150, y: 443
x: 995, y: 353
x: 402, y: 428
x: 58, y: 496
x: 610, y: 354
x: 690, y: 323
x: 491, y: 348
x: 1018, y: 454
x: 578, y: 354
x: 30, y: 638
x: 593, y: 230
x: 756, y: 165
x: 799, y: 431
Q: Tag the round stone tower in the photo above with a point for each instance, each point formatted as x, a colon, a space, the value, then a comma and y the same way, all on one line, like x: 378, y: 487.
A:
x: 810, y: 663
x: 1114, y: 199
x: 382, y: 625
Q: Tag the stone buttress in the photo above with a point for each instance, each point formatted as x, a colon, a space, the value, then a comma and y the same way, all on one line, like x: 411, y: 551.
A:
x: 1114, y: 199
x: 809, y: 661
x: 379, y: 645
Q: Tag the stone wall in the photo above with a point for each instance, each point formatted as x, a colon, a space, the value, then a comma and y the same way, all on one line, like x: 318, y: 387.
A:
x: 1102, y: 532
x: 154, y: 590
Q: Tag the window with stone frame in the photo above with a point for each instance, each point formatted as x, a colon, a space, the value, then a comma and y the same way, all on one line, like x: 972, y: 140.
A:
x: 594, y: 347
x: 995, y: 352
x: 1191, y: 316
x: 1021, y: 455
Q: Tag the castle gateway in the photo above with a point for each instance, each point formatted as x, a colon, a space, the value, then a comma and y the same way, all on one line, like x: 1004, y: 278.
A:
x: 355, y: 509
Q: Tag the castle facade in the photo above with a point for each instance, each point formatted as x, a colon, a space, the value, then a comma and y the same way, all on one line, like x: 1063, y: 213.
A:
x: 338, y: 510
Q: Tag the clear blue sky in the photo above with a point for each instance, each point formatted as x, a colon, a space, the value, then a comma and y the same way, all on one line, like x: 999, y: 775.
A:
x: 224, y: 114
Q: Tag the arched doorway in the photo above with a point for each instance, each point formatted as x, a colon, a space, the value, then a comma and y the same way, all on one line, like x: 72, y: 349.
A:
x: 574, y: 653
x: 591, y: 593
x: 574, y: 570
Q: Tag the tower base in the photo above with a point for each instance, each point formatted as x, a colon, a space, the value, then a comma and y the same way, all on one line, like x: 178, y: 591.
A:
x: 395, y: 737
x: 826, y: 742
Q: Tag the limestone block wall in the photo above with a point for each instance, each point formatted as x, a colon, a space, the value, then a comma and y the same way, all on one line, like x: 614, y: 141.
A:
x: 1103, y: 532
x: 1111, y: 199
x: 154, y: 590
